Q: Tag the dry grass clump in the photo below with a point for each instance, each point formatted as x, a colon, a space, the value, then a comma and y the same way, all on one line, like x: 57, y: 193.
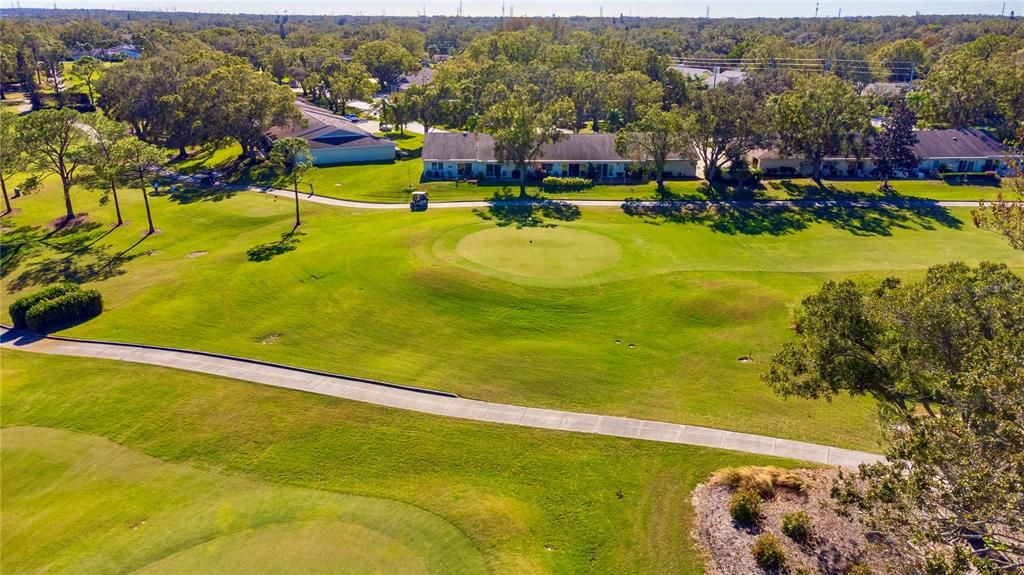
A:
x: 763, y: 480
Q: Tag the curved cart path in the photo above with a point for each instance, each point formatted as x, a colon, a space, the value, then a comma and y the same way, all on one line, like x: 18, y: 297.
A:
x: 430, y: 401
x: 866, y: 203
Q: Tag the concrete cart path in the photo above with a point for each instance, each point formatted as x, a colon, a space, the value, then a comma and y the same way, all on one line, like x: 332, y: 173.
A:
x: 430, y: 401
x: 893, y: 203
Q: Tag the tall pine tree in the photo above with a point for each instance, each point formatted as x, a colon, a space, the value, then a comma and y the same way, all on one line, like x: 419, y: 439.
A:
x: 893, y: 148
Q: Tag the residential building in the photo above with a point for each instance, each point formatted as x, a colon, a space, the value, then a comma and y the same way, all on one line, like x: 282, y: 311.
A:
x: 334, y: 139
x: 963, y: 150
x: 451, y: 156
x: 420, y: 78
x: 119, y: 52
x: 715, y: 76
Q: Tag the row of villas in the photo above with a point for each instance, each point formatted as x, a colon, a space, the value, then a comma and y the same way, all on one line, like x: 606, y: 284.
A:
x: 961, y: 151
x: 456, y: 156
x: 461, y: 156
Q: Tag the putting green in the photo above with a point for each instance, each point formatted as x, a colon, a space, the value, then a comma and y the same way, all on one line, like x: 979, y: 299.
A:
x: 300, y: 547
x: 547, y: 253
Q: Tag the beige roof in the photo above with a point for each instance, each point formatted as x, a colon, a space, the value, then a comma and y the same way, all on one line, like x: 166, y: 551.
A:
x: 465, y: 147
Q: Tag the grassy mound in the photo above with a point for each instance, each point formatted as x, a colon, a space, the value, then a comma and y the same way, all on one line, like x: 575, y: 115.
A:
x: 80, y: 503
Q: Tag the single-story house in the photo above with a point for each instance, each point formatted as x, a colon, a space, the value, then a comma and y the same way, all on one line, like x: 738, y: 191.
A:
x: 335, y: 140
x: 961, y: 150
x: 119, y: 52
x: 451, y: 156
x: 420, y: 78
x: 713, y: 77
x: 964, y: 150
x: 885, y: 89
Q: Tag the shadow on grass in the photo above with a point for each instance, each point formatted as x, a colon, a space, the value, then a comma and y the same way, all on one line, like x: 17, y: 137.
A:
x: 753, y: 218
x: 76, y: 255
x: 828, y: 192
x: 191, y: 193
x: 265, y: 252
x: 526, y: 211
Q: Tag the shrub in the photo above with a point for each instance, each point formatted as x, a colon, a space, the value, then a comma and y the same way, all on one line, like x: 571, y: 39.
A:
x: 768, y: 552
x: 764, y: 480
x: 555, y: 184
x: 745, y: 507
x: 797, y: 526
x: 74, y: 306
x: 857, y: 569
x: 21, y: 306
x: 990, y: 178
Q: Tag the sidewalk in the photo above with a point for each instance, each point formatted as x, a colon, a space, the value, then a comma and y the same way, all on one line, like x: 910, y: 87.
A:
x: 433, y: 402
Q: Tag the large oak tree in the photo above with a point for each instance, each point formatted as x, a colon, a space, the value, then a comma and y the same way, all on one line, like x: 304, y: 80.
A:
x: 819, y: 117
x: 944, y: 359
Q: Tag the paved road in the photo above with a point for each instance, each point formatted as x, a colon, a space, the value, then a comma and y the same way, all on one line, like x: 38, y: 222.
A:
x: 433, y: 402
x: 894, y: 203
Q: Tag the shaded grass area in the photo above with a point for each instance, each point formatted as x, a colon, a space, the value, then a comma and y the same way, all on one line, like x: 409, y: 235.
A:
x: 530, y: 501
x: 79, y: 503
x: 388, y: 295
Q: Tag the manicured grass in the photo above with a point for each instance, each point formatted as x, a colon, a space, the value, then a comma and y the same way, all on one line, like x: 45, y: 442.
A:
x: 441, y: 491
x: 80, y: 503
x: 656, y: 334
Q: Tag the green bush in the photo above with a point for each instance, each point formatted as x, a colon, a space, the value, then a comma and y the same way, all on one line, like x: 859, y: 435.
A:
x: 555, y: 184
x: 21, y: 306
x: 797, y: 526
x: 768, y: 552
x: 745, y: 507
x: 74, y: 306
x: 857, y: 569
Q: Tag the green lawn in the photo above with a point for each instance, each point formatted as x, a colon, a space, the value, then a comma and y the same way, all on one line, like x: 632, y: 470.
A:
x: 651, y: 326
x: 113, y: 467
x: 79, y: 503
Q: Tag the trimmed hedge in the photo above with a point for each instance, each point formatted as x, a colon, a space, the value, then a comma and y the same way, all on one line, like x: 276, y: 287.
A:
x: 986, y: 177
x: 21, y: 306
x: 555, y: 184
x: 72, y: 307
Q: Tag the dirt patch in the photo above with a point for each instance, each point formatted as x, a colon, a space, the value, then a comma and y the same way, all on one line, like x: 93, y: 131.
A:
x: 63, y: 223
x: 196, y: 254
x: 836, y: 544
x: 270, y: 338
